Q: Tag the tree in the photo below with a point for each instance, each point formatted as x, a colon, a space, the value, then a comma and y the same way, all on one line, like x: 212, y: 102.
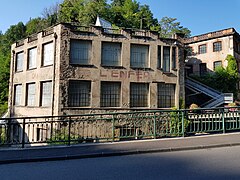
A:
x: 226, y: 78
x: 13, y: 34
x: 84, y: 12
x: 169, y: 26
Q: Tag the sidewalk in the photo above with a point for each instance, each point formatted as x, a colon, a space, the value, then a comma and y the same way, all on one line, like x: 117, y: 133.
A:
x: 53, y: 153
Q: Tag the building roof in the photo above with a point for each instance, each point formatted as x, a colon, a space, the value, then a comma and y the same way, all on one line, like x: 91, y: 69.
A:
x: 210, y: 35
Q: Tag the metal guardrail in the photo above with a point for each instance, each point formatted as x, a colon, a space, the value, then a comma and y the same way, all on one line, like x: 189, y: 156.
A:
x: 73, y: 129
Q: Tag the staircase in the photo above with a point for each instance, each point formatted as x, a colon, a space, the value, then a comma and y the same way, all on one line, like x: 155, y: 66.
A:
x: 217, y: 98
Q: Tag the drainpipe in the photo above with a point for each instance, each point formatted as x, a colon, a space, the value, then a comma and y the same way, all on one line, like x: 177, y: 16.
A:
x: 54, y: 67
x: 10, y: 109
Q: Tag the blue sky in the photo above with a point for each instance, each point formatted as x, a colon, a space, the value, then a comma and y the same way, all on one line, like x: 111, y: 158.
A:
x: 199, y: 16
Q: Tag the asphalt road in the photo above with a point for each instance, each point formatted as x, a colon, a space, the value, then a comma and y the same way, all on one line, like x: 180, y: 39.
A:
x: 216, y: 163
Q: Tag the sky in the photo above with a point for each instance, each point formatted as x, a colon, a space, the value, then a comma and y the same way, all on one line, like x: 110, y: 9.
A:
x: 199, y: 16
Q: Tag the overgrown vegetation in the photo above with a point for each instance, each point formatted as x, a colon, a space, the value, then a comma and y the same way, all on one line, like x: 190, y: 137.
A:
x: 121, y: 13
x: 223, y: 79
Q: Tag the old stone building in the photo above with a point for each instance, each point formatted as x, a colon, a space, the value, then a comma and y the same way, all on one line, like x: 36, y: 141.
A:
x: 208, y: 51
x: 205, y: 53
x: 70, y: 69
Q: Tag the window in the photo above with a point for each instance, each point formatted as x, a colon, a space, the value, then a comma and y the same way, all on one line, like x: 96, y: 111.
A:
x: 19, y: 61
x: 166, y: 58
x: 139, y: 94
x: 139, y: 56
x: 17, y: 94
x: 111, y: 54
x: 159, y: 57
x: 174, y: 58
x: 203, y: 68
x: 166, y: 95
x: 110, y: 94
x: 31, y: 94
x: 217, y: 46
x: 80, y: 52
x: 46, y: 94
x: 79, y: 93
x: 32, y: 58
x: 217, y: 64
x: 48, y: 54
x: 202, y: 49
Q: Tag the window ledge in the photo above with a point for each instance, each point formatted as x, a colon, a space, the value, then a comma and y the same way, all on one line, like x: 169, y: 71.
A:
x: 83, y: 65
x: 31, y: 69
x: 43, y: 66
x: 140, y: 68
x: 113, y: 67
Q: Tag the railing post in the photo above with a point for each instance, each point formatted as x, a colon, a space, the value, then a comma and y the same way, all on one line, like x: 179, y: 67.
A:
x: 113, y: 128
x: 183, y: 127
x: 69, y: 131
x: 223, y: 121
x: 23, y: 133
x: 154, y: 130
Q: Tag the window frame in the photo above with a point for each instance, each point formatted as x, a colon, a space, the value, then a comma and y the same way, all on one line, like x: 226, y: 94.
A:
x: 165, y: 90
x: 28, y: 59
x: 30, y: 95
x: 202, y: 51
x: 113, y: 90
x: 166, y: 66
x: 46, y: 98
x: 51, y: 57
x: 18, y: 95
x: 134, y: 59
x: 17, y: 67
x: 217, y: 46
x: 73, y: 101
x: 159, y: 57
x: 174, y: 57
x: 88, y: 52
x: 142, y: 97
x: 111, y: 51
x: 215, y: 64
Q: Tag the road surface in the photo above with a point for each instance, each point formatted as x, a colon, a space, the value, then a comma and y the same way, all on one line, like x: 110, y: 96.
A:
x: 216, y: 163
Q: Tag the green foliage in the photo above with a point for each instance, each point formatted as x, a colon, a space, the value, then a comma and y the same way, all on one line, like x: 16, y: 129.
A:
x: 3, y: 135
x: 226, y: 78
x: 176, y: 127
x: 61, y: 136
x: 169, y: 26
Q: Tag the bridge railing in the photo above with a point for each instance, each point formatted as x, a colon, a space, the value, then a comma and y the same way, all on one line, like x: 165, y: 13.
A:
x: 73, y: 129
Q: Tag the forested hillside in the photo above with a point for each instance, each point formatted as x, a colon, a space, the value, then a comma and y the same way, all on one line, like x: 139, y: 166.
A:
x: 121, y: 13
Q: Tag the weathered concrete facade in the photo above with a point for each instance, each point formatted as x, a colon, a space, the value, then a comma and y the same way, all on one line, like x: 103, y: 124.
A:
x: 60, y: 71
